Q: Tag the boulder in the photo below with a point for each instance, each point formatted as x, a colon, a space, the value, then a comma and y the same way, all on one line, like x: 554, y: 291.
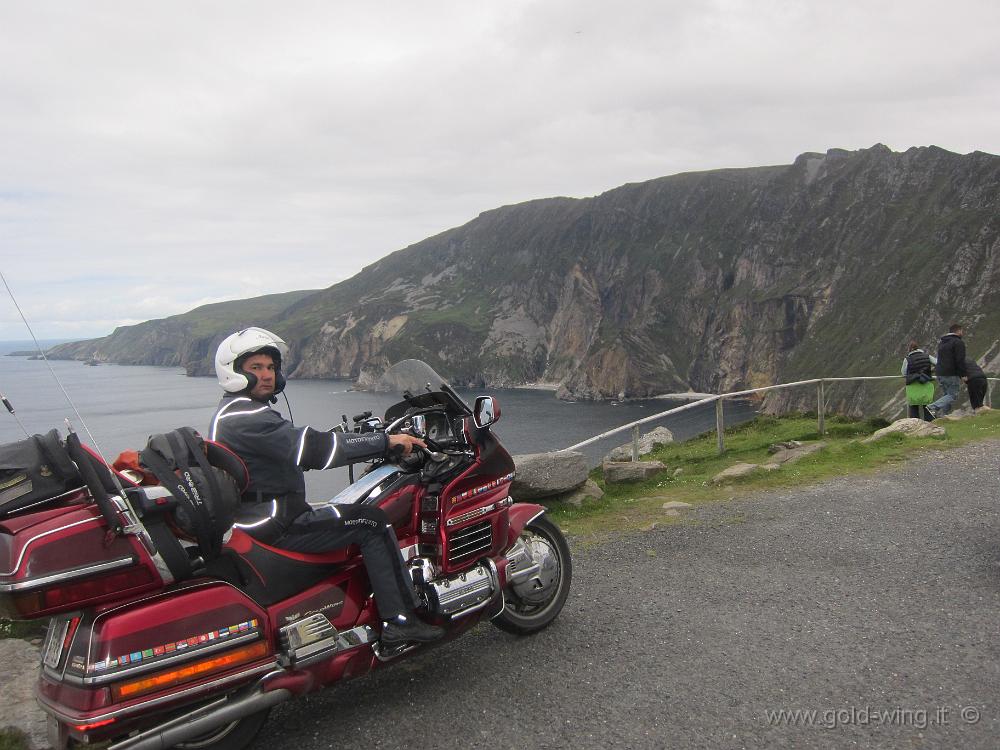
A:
x: 616, y: 472
x: 17, y: 692
x: 737, y: 471
x: 588, y: 491
x: 548, y: 474
x: 785, y: 446
x: 909, y: 427
x: 649, y: 441
x: 791, y: 455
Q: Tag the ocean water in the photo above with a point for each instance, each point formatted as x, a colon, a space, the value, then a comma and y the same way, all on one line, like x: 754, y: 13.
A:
x: 123, y: 405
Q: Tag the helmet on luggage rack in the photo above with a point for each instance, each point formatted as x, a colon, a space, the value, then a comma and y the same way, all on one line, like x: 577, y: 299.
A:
x: 237, y: 348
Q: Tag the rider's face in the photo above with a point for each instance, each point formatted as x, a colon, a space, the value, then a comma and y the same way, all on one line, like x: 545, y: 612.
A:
x: 262, y: 367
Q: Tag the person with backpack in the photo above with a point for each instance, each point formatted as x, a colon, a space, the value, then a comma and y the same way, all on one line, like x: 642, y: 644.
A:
x: 950, y: 369
x: 276, y: 452
x: 919, y: 376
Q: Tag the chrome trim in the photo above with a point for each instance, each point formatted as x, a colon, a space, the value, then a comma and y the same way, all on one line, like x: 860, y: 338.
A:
x: 466, y: 592
x: 313, y: 638
x: 363, y: 487
x: 469, y: 541
x: 54, y: 497
x: 34, y: 539
x: 67, y: 575
x: 454, y: 521
x: 494, y: 575
x: 104, y: 677
x: 393, y: 653
x: 539, y: 513
x: 69, y: 718
x: 410, y: 552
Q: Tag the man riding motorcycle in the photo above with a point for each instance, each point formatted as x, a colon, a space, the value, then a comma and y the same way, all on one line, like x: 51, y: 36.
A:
x: 276, y: 452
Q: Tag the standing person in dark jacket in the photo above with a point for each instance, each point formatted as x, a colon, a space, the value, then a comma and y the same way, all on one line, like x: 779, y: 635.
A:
x: 919, y: 381
x: 976, y: 384
x: 248, y: 365
x: 950, y: 369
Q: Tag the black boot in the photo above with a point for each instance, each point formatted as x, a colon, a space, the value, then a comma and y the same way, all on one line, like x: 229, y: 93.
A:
x: 412, y: 630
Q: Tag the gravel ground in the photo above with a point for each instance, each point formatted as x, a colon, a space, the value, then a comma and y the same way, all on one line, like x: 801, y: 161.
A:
x: 872, y: 601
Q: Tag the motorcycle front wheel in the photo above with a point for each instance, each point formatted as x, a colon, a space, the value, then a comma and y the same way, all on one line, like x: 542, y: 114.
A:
x: 531, y: 605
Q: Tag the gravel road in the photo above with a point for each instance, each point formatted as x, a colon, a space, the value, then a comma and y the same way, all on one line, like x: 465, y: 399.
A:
x: 873, y: 602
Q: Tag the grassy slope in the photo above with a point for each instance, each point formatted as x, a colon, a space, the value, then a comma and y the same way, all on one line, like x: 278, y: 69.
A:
x: 630, y: 507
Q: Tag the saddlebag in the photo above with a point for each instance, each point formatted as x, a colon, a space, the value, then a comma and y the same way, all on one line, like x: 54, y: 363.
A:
x: 166, y: 649
x: 34, y: 472
x: 63, y: 558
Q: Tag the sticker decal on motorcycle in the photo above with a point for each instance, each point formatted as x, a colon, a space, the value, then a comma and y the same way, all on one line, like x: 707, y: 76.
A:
x: 193, y: 643
x: 482, y: 488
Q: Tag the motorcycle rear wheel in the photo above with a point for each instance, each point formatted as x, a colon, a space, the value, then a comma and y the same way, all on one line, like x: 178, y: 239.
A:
x: 235, y: 735
x: 548, y: 592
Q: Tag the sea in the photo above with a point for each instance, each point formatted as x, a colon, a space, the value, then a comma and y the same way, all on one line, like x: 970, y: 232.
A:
x: 117, y: 408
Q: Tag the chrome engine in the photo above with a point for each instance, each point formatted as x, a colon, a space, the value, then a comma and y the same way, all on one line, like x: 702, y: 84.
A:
x: 457, y: 595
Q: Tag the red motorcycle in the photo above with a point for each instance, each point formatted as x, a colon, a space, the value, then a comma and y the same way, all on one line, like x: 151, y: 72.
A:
x: 150, y: 647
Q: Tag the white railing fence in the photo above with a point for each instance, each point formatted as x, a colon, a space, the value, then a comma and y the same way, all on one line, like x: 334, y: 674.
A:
x: 720, y: 399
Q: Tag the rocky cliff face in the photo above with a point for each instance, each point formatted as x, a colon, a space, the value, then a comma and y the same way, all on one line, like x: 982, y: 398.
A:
x: 708, y: 281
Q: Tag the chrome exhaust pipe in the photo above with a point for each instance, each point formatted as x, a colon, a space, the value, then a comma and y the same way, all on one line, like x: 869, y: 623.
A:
x: 202, y: 720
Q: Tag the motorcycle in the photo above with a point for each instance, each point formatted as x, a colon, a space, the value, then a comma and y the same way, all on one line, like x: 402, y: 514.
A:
x: 143, y: 658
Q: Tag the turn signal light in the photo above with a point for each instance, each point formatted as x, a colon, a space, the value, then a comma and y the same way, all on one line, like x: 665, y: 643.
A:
x: 135, y: 688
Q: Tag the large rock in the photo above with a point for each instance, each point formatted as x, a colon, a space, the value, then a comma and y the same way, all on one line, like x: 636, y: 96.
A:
x: 19, y: 660
x: 738, y: 471
x: 909, y: 427
x: 548, y: 474
x: 587, y: 492
x: 647, y: 443
x: 616, y: 472
x: 791, y: 455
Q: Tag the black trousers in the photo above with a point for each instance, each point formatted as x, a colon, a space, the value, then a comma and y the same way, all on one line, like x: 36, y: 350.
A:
x: 336, y: 526
x: 920, y: 412
x: 977, y: 391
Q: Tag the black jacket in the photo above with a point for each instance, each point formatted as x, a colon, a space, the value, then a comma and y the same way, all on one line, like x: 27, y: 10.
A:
x: 951, y: 355
x: 973, y: 370
x: 276, y: 452
x: 918, y: 367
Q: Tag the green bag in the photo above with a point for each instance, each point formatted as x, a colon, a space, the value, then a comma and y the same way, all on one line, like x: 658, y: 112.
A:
x: 920, y: 394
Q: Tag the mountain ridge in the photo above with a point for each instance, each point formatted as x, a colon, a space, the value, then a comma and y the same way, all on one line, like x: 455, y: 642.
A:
x: 709, y: 281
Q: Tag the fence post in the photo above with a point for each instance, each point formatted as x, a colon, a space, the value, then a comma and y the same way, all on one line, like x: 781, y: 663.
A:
x: 821, y: 407
x: 720, y: 426
x: 635, y: 442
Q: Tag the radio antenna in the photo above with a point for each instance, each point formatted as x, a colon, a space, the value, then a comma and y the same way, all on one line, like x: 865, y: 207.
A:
x: 69, y: 400
x: 10, y: 408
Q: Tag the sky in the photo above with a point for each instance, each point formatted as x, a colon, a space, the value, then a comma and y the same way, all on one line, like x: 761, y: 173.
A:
x: 156, y: 155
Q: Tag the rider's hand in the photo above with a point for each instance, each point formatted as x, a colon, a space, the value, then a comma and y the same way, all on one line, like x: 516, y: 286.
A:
x: 404, y: 444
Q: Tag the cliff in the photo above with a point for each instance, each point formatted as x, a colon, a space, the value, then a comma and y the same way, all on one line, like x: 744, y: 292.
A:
x: 708, y: 281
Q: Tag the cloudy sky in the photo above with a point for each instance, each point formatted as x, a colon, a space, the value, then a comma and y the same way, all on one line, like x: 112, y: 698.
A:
x: 160, y: 154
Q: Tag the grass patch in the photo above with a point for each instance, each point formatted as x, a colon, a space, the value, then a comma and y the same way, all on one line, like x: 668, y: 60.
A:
x: 25, y: 629
x: 13, y: 739
x: 629, y: 507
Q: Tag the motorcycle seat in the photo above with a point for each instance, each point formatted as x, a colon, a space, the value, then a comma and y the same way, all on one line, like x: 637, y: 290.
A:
x: 242, y: 543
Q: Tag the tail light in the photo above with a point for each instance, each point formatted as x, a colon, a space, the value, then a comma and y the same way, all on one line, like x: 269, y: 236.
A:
x: 188, y: 672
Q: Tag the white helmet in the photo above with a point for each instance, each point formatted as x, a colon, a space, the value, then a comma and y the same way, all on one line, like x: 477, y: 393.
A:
x: 240, y: 344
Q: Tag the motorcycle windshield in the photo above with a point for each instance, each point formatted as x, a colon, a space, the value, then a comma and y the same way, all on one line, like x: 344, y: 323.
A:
x: 421, y: 388
x: 413, y: 375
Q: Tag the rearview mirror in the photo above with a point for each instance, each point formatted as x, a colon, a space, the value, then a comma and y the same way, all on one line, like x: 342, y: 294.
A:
x: 418, y: 425
x: 486, y: 411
